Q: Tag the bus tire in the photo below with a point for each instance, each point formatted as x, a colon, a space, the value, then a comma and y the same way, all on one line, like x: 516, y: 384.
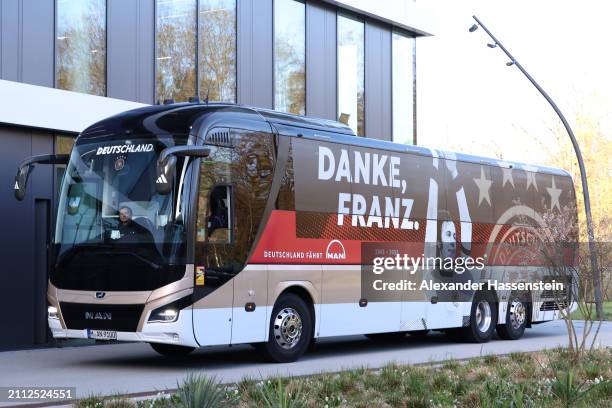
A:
x: 483, y: 319
x: 171, y: 350
x: 516, y: 318
x: 291, y: 329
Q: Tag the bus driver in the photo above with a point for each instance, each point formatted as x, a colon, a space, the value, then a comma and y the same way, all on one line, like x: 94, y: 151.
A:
x: 129, y: 230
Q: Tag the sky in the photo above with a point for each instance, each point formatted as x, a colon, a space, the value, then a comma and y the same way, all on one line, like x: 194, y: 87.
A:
x: 468, y: 100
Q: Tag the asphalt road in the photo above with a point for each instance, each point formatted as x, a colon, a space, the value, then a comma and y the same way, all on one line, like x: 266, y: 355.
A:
x: 136, y: 368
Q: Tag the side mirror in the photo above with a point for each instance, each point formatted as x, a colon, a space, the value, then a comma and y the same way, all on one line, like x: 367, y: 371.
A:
x: 26, y: 167
x: 21, y: 181
x: 166, y: 165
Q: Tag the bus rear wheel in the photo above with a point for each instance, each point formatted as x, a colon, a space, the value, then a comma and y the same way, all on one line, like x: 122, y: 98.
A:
x: 291, y: 329
x: 516, y: 319
x: 171, y: 350
x: 483, y: 320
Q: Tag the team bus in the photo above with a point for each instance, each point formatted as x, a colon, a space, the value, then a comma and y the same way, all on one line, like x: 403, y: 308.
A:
x: 197, y: 224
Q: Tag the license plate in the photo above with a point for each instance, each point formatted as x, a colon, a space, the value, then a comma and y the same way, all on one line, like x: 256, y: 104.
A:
x: 102, y: 334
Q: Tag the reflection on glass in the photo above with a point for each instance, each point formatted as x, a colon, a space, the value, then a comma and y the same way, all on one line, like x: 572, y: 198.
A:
x: 234, y: 185
x: 63, y: 144
x: 217, y: 53
x: 403, y: 88
x: 351, y: 81
x: 80, y: 45
x: 290, y: 56
x: 175, y: 40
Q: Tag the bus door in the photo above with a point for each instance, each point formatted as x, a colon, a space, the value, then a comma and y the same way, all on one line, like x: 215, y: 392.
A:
x: 214, y: 269
x: 253, y: 173
x: 234, y: 184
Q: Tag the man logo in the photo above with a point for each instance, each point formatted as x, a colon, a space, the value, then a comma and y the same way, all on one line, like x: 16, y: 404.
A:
x: 100, y: 295
x: 98, y: 316
x: 335, y: 250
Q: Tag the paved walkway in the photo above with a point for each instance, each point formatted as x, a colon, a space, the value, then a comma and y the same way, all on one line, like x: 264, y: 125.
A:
x: 136, y: 368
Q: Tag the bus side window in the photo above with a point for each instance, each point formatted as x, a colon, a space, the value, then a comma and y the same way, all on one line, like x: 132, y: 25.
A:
x: 286, y: 193
x: 219, y: 220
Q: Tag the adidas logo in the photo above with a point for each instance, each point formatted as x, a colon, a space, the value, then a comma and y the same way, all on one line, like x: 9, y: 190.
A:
x: 161, y: 179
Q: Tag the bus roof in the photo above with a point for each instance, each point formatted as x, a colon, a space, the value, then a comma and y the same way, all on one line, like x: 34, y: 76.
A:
x: 179, y: 120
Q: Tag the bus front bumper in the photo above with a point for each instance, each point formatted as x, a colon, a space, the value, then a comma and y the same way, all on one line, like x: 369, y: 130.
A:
x: 179, y: 332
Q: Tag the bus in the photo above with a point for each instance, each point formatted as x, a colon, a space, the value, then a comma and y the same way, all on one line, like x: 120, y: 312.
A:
x: 198, y: 224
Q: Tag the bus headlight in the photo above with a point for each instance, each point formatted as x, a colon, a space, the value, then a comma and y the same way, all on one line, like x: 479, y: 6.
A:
x: 163, y: 314
x: 52, y: 312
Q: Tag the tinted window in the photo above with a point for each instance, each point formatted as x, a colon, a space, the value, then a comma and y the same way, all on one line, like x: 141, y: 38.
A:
x: 351, y: 82
x: 403, y: 88
x: 175, y: 41
x: 114, y: 231
x: 217, y: 49
x: 286, y: 193
x: 245, y: 173
x: 80, y: 46
x: 290, y: 56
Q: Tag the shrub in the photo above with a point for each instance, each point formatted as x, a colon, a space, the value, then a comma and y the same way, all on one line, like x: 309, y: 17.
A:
x: 200, y: 392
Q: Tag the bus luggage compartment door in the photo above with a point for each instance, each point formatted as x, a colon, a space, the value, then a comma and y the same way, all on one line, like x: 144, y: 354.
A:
x: 250, y: 309
x: 212, y: 316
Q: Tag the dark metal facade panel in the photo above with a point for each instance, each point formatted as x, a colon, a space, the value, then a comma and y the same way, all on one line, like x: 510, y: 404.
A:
x: 37, y: 32
x: 378, y: 81
x: 10, y: 39
x: 321, y: 56
x: 26, y: 41
x: 255, y: 50
x: 18, y: 278
x: 130, y: 50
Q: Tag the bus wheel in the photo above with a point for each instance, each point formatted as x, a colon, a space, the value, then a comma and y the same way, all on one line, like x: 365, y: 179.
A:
x: 516, y: 319
x: 171, y: 350
x: 290, y: 329
x: 483, y: 319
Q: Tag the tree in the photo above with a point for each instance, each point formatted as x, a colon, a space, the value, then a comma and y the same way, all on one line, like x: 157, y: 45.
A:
x: 596, y: 149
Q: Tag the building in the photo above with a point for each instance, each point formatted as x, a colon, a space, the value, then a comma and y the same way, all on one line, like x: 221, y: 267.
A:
x: 65, y: 64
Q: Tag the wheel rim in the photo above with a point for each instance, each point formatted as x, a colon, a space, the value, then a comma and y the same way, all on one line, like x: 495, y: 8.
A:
x: 518, y: 314
x: 287, y: 328
x: 483, y: 316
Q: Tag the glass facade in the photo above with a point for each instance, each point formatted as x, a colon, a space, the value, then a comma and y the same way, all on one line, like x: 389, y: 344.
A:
x: 80, y: 46
x: 403, y: 52
x: 217, y: 49
x: 175, y: 43
x: 290, y: 56
x: 196, y: 54
x: 351, y: 71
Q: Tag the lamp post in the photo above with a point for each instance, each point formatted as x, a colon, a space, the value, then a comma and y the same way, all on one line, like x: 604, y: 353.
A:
x: 583, y: 177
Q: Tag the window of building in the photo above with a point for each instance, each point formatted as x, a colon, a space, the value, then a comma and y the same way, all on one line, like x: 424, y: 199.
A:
x: 290, y: 56
x: 403, y: 50
x: 63, y: 145
x: 80, y: 46
x: 351, y: 70
x: 175, y: 40
x: 217, y: 49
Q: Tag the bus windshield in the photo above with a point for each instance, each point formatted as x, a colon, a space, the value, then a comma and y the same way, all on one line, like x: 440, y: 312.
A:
x: 112, y: 222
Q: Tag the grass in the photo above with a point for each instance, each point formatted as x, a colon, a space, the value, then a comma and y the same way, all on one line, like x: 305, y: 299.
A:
x: 540, y: 379
x: 607, y: 306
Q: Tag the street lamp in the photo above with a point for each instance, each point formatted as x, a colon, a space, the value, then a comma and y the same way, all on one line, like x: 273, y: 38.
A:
x: 585, y: 187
